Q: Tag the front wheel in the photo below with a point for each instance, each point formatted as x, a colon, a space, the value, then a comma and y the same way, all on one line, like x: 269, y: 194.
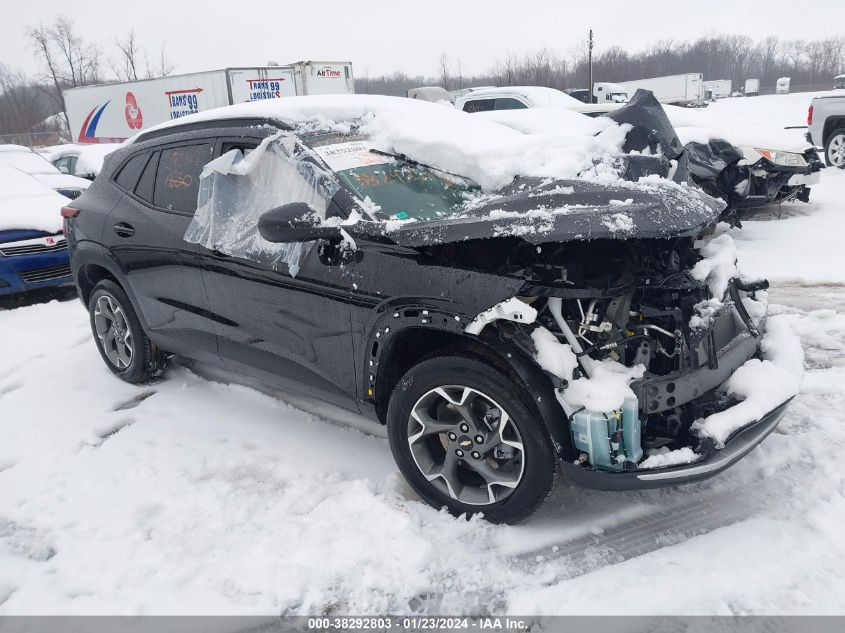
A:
x: 834, y: 149
x: 121, y: 341
x: 464, y: 438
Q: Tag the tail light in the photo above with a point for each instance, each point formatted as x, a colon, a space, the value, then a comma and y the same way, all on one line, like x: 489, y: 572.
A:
x: 69, y: 212
x: 810, y: 115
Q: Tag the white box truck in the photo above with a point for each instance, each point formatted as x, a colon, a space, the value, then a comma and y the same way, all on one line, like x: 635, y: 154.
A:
x: 110, y: 113
x: 752, y: 87
x: 686, y: 89
x: 717, y: 89
x: 782, y: 86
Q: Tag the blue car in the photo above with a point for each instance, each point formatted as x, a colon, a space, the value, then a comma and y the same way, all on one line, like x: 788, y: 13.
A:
x: 33, y: 251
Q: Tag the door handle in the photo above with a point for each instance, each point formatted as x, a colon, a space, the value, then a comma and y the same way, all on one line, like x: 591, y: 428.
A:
x: 124, y: 229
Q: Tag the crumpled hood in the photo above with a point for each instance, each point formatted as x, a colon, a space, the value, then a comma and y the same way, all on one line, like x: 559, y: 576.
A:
x: 541, y: 211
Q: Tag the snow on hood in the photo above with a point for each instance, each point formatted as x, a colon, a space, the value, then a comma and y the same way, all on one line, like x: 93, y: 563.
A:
x: 541, y: 211
x: 26, y: 203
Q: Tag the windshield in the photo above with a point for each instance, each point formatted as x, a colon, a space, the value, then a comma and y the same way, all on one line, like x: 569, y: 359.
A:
x: 27, y: 162
x: 400, y: 188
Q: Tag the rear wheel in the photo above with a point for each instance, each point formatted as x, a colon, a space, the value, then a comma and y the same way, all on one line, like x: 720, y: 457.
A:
x: 464, y: 439
x: 834, y: 149
x: 120, y: 339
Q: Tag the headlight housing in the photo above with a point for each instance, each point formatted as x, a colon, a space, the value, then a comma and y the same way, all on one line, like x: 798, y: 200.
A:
x: 786, y: 159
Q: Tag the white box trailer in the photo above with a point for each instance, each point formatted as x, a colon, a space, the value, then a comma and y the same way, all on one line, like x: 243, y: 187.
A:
x: 718, y: 88
x: 109, y: 113
x: 687, y: 89
x: 752, y: 87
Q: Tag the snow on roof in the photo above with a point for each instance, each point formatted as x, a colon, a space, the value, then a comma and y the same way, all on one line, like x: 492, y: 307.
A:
x: 91, y: 155
x: 14, y: 148
x: 548, y: 121
x: 25, y: 203
x: 539, y: 96
x: 468, y: 145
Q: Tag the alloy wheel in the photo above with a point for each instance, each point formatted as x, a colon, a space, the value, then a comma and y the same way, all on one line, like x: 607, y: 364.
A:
x: 836, y: 151
x: 113, y: 333
x: 466, y: 445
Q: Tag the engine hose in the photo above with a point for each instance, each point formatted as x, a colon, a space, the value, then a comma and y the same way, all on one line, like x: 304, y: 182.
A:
x: 555, y: 304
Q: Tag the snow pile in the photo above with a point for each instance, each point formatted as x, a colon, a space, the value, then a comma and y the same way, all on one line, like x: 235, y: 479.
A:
x: 761, y: 385
x: 27, y: 204
x: 553, y: 356
x: 619, y: 222
x: 545, y: 121
x: 705, y: 311
x: 719, y: 264
x: 755, y: 122
x: 511, y: 310
x: 663, y: 458
x: 805, y: 244
x: 607, y: 389
x: 468, y: 145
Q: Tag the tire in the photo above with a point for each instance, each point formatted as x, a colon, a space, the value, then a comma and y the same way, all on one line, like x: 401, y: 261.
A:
x: 834, y: 149
x: 528, y: 476
x: 136, y: 360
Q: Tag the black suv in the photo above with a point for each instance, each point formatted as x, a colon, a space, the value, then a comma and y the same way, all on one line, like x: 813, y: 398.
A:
x: 313, y: 261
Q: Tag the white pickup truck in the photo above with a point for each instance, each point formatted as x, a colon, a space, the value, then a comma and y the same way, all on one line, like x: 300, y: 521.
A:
x: 826, y: 123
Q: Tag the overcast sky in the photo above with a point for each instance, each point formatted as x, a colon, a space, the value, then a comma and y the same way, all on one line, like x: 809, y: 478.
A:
x: 381, y: 36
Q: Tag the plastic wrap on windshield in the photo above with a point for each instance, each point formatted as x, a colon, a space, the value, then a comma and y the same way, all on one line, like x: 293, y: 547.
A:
x: 235, y: 190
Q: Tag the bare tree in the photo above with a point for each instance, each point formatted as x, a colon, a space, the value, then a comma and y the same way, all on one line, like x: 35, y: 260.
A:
x: 69, y: 60
x: 161, y: 68
x: 444, y: 70
x: 126, y: 65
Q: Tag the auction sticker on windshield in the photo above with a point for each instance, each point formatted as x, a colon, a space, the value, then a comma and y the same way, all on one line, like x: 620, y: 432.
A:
x: 349, y: 155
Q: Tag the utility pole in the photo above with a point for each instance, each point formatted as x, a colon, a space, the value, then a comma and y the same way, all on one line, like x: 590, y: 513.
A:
x: 590, y: 64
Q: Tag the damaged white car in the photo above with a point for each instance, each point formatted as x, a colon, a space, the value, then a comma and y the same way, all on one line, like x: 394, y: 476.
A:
x: 512, y: 309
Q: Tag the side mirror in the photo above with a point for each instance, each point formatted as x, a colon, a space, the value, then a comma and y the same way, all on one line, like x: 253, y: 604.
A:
x: 295, y: 222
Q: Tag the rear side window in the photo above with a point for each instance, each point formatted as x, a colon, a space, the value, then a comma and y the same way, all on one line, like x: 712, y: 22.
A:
x: 177, y: 179
x: 146, y: 185
x: 479, y: 105
x: 506, y: 103
x: 128, y: 174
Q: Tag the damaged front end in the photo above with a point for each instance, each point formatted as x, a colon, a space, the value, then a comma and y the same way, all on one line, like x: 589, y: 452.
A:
x: 640, y: 340
x: 743, y: 177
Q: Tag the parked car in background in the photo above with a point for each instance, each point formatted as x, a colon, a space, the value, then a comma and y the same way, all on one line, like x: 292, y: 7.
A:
x: 33, y: 251
x: 83, y: 160
x: 603, y: 92
x: 764, y: 175
x: 826, y: 123
x: 430, y: 93
x: 318, y: 260
x: 515, y: 98
x: 29, y: 162
x: 839, y: 82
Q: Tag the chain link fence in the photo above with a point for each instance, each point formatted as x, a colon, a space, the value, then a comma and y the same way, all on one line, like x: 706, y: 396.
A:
x: 34, y: 139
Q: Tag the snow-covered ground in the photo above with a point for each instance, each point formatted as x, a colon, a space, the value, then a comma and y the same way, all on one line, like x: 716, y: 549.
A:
x: 196, y: 495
